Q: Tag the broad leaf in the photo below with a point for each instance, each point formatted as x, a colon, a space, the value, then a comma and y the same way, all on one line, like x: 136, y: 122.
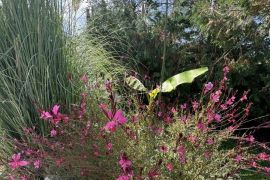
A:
x: 135, y: 83
x: 181, y: 78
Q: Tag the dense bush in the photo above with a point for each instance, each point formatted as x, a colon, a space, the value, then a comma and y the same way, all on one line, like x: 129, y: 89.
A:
x: 142, y: 141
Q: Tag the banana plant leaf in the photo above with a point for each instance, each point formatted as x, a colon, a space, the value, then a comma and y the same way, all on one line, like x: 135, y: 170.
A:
x: 135, y: 84
x: 181, y: 78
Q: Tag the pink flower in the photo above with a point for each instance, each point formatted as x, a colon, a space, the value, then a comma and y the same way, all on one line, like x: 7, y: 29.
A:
x: 123, y: 177
x: 207, y: 154
x: 125, y: 163
x: 244, y: 97
x: 250, y: 138
x: 28, y: 152
x: 183, y: 106
x: 57, y: 118
x: 181, y: 150
x: 209, y: 141
x: 192, y: 139
x: 223, y: 106
x: 173, y: 110
x: 55, y: 109
x: 195, y: 105
x: 217, y: 117
x: 157, y: 130
x: 263, y: 156
x: 230, y: 101
x: 110, y: 126
x: 163, y: 149
x: 208, y: 87
x: 215, y: 96
x: 53, y: 133
x: 210, y: 116
x: 226, y: 69
x: 152, y: 173
x: 10, y: 177
x: 37, y: 164
x: 17, y: 162
x: 168, y: 120
x: 118, y: 117
x: 267, y: 169
x: 109, y: 146
x: 169, y: 166
x: 201, y: 126
x: 231, y: 128
x: 238, y: 158
x: 253, y: 164
x: 45, y: 115
x: 23, y: 177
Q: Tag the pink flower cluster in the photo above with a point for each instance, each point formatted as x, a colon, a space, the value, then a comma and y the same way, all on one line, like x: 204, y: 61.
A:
x: 116, y: 119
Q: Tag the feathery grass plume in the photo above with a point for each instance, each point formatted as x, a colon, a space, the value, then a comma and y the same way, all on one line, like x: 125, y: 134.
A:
x: 90, y: 59
x: 33, y: 62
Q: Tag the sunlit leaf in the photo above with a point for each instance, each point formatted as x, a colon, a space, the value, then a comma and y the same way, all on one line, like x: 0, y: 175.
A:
x: 181, y: 78
x: 135, y: 84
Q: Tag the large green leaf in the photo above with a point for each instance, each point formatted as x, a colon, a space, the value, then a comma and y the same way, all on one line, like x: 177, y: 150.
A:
x: 181, y: 78
x: 135, y: 83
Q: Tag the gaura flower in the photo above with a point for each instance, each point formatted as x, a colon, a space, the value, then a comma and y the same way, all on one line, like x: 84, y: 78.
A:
x: 109, y: 146
x: 17, y: 162
x: 53, y: 133
x: 119, y: 118
x: 215, y: 96
x: 45, y: 115
x: 110, y: 126
x: 37, y: 164
x: 123, y: 177
x: 169, y: 166
x: 55, y: 109
x: 208, y: 87
x: 238, y: 158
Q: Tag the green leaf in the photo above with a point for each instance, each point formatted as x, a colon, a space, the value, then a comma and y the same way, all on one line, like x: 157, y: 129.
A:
x: 181, y: 78
x: 135, y: 83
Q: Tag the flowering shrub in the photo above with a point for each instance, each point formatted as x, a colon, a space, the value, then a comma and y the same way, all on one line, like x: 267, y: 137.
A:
x: 195, y: 140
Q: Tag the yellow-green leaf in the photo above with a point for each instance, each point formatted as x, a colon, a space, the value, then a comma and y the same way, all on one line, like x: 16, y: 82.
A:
x: 181, y: 78
x: 135, y: 83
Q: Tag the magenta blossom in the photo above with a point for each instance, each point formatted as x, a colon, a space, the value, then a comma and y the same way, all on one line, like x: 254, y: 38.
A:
x: 208, y: 87
x: 267, y: 169
x: 45, y: 115
x: 17, y: 162
x: 119, y: 118
x: 181, y: 150
x: 215, y: 96
x: 55, y: 109
x: 23, y: 177
x: 183, y: 106
x: 109, y: 146
x: 195, y: 105
x: 263, y: 156
x: 169, y: 166
x: 123, y: 177
x: 53, y: 133
x: 201, y: 126
x: 238, y: 158
x: 110, y: 126
x: 37, y: 164
x: 217, y: 117
x: 125, y: 164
